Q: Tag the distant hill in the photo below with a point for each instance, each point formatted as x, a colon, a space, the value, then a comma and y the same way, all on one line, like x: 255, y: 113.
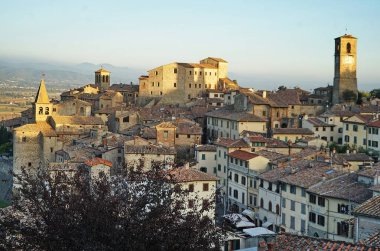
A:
x: 63, y: 74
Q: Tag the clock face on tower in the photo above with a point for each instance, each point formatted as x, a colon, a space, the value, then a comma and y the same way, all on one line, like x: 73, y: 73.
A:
x: 348, y: 59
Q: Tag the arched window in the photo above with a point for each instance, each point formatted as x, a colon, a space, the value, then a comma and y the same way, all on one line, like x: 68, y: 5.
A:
x: 270, y: 206
x: 348, y: 48
x: 107, y: 78
x: 277, y: 209
x: 104, y: 78
x: 47, y: 111
x: 40, y: 110
x: 81, y: 111
x: 261, y: 203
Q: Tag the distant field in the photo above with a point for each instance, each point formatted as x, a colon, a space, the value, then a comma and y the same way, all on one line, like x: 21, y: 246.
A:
x: 12, y: 108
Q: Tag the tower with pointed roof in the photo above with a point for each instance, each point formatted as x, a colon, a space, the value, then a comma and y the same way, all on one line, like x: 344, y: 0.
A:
x: 42, y: 107
x: 102, y: 79
x: 345, y: 81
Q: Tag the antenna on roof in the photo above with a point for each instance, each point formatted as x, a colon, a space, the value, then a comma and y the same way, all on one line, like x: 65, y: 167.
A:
x: 346, y: 30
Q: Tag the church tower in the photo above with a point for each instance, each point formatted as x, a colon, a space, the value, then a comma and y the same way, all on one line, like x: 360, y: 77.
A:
x: 42, y: 106
x: 345, y: 82
x: 102, y: 79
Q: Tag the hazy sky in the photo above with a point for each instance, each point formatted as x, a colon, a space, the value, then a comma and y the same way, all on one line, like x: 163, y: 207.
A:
x: 265, y: 42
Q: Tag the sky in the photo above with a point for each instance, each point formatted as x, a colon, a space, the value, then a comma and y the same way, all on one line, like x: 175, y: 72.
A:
x: 267, y: 43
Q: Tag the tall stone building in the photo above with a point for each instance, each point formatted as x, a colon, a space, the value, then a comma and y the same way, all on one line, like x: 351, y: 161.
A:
x: 102, y: 79
x: 179, y: 82
x: 345, y: 80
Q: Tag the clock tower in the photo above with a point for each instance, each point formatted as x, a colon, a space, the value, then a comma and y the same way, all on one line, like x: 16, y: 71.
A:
x: 345, y: 81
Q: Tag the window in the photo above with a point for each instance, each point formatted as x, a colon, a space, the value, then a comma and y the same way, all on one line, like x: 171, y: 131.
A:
x: 292, y: 205
x: 191, y: 187
x: 342, y: 228
x: 277, y: 209
x: 236, y: 196
x: 343, y: 209
x: 250, y: 200
x: 283, y: 187
x: 188, y: 136
x: 348, y: 47
x: 191, y: 204
x: 364, y: 141
x: 321, y: 201
x: 270, y: 186
x: 293, y: 189
x: 283, y: 202
x: 347, y: 127
x: 158, y: 84
x: 303, y: 224
x: 152, y: 84
x: 236, y: 178
x: 156, y: 73
x: 126, y: 119
x: 346, y: 138
x: 23, y: 139
x: 175, y: 71
x: 243, y: 180
x: 175, y: 84
x: 46, y: 110
x: 203, y: 156
x: 205, y: 187
x: 264, y: 113
x: 355, y: 140
x: 317, y: 129
x: 312, y: 198
x: 166, y: 134
x: 270, y: 206
x: 51, y: 149
x: 283, y: 219
x: 189, y: 72
x: 303, y: 208
x: 375, y: 143
x: 189, y: 85
x: 40, y: 110
x: 177, y: 135
x: 321, y: 220
x: 203, y: 169
x: 303, y: 192
x: 332, y: 128
x: 219, y: 167
x: 242, y: 198
x: 261, y: 203
x: 355, y: 128
x: 312, y: 217
x: 292, y: 222
x: 250, y: 183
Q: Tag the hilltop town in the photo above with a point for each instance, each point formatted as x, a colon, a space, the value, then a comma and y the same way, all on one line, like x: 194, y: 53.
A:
x: 301, y: 166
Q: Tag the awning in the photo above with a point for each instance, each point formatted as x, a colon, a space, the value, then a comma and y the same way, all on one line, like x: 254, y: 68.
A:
x: 249, y: 213
x: 267, y: 224
x: 258, y: 231
x: 241, y: 224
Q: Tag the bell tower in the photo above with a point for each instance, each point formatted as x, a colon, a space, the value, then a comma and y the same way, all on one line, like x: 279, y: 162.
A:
x: 102, y: 79
x: 42, y: 106
x: 345, y: 82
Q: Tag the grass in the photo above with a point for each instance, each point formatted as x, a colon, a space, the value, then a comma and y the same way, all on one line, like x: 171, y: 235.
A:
x: 3, y: 204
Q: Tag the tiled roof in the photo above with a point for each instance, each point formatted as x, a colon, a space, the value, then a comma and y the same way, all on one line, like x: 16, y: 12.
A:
x: 370, y: 208
x: 257, y: 139
x: 374, y: 123
x: 218, y: 59
x: 306, y: 152
x: 302, y: 131
x: 287, y: 96
x: 102, y: 70
x: 42, y: 96
x: 274, y: 175
x: 243, y: 155
x: 42, y: 127
x: 206, y: 148
x: 228, y: 113
x: 291, y: 242
x: 78, y: 120
x: 338, y: 113
x: 341, y: 158
x: 368, y: 109
x: 375, y: 188
x: 370, y: 172
x: 305, y: 173
x: 364, y: 119
x: 191, y: 65
x: 272, y: 156
x: 276, y: 143
x: 317, y: 122
x: 97, y: 161
x: 373, y: 240
x: 124, y: 88
x: 89, y: 96
x: 149, y: 133
x: 166, y: 125
x: 345, y: 187
x: 148, y: 149
x: 232, y: 143
x: 183, y: 174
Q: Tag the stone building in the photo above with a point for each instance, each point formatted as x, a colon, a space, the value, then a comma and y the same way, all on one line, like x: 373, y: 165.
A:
x: 179, y: 82
x: 102, y: 79
x: 345, y: 69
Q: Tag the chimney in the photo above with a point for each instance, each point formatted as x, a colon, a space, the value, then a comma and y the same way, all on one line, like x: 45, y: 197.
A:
x: 264, y: 94
x: 186, y: 165
x: 348, y: 152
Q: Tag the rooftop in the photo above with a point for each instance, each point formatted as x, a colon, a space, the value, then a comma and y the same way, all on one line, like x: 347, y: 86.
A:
x: 98, y: 161
x: 78, y: 120
x: 148, y: 149
x: 316, y: 122
x: 183, y: 174
x: 342, y: 158
x: 243, y: 155
x: 303, y: 131
x: 370, y: 208
x: 206, y: 148
x: 232, y: 143
x: 230, y: 114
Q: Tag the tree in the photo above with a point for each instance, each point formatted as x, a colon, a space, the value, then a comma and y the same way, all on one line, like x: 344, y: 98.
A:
x: 138, y: 211
x: 375, y: 93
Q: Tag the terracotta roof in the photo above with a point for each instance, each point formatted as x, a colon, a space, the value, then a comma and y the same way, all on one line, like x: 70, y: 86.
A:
x: 206, y: 148
x: 166, y: 125
x: 375, y: 188
x: 124, y: 88
x: 338, y: 113
x: 370, y: 208
x: 228, y: 113
x: 192, y: 65
x: 317, y: 122
x: 78, y: 120
x: 342, y: 158
x: 243, y: 155
x: 287, y: 96
x: 43, y: 127
x: 276, y: 143
x: 373, y: 240
x: 183, y: 174
x: 232, y: 143
x: 272, y: 156
x: 218, y: 59
x: 305, y: 173
x: 42, y: 96
x: 301, y: 131
x: 374, y: 123
x: 149, y: 133
x: 370, y: 172
x: 344, y: 187
x: 257, y: 139
x: 98, y: 161
x: 292, y: 242
x: 364, y: 119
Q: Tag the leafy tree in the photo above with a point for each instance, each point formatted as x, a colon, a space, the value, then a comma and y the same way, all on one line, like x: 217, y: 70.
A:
x: 138, y: 211
x: 375, y: 93
x: 5, y: 136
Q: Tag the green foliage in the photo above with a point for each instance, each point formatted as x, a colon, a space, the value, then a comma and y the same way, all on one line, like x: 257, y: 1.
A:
x: 341, y: 149
x: 375, y: 93
x: 3, y: 204
x: 5, y: 136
